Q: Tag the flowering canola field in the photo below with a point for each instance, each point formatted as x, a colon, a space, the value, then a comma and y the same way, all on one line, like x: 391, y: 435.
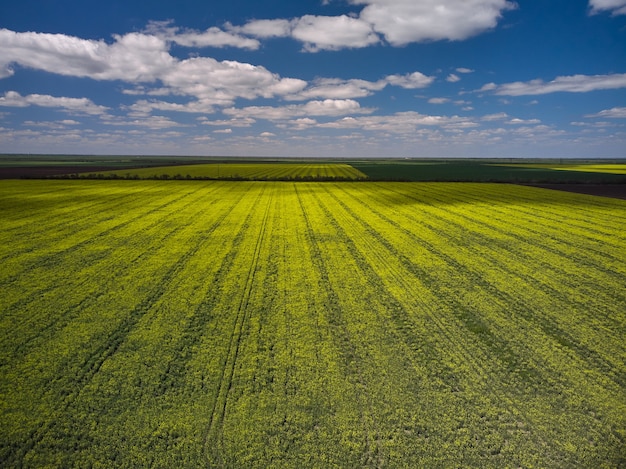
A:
x: 250, y: 171
x: 274, y: 324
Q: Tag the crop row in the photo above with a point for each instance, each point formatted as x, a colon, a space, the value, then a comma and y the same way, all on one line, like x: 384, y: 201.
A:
x: 239, y: 171
x: 258, y: 324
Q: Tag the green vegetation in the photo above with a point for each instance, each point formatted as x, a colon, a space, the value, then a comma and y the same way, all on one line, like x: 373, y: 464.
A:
x: 293, y: 325
x: 242, y: 171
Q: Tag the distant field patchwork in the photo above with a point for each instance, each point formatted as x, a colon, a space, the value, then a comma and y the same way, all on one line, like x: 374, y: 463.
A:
x: 295, y: 325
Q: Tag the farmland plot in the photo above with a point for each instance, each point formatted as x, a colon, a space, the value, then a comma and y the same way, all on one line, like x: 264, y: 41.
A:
x: 248, y: 171
x: 256, y: 324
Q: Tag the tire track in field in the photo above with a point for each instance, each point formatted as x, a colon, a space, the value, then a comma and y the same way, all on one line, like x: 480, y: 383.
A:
x: 450, y: 219
x: 50, y: 260
x: 212, y: 443
x: 71, y: 386
x: 59, y: 222
x: 194, y: 328
x: 68, y: 387
x: 491, y: 340
x: 347, y: 349
x: 461, y: 343
x: 23, y: 303
x: 530, y: 217
x: 73, y: 311
x: 548, y: 326
x: 54, y: 259
x: 91, y: 206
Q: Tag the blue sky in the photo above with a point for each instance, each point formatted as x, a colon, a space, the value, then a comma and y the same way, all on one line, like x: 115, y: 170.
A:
x: 345, y: 78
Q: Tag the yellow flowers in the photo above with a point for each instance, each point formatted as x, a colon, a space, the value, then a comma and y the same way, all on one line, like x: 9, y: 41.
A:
x: 245, y: 171
x: 274, y: 324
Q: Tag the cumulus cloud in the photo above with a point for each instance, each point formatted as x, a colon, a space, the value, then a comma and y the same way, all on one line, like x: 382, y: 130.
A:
x: 242, y: 122
x: 438, y: 100
x: 333, y: 32
x: 571, y: 84
x: 406, y: 21
x: 616, y: 7
x: 150, y: 122
x: 410, y: 81
x: 264, y: 28
x: 452, y: 78
x: 137, y: 58
x: 133, y: 57
x: 400, y: 22
x: 464, y: 70
x: 401, y: 122
x: 495, y: 117
x: 221, y: 82
x: 212, y: 37
x: 517, y: 121
x: 327, y: 107
x: 76, y: 105
x: 613, y: 113
x: 335, y: 88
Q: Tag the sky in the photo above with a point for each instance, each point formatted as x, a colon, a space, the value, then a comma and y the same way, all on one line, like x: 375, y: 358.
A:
x: 314, y: 78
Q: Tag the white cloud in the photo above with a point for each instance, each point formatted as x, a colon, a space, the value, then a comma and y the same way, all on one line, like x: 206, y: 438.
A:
x: 327, y: 107
x: 400, y: 21
x: 406, y: 21
x: 151, y: 122
x: 572, y: 84
x: 264, y: 28
x: 242, y: 122
x: 401, y: 122
x: 410, y: 81
x: 333, y: 32
x: 616, y: 7
x: 495, y: 117
x: 614, y: 113
x: 464, y: 70
x: 335, y: 88
x: 62, y: 124
x: 300, y: 124
x: 212, y: 37
x: 223, y: 131
x: 267, y: 134
x: 438, y: 100
x: 516, y: 121
x: 221, y: 82
x: 133, y: 57
x: 77, y: 105
x: 452, y: 78
x: 144, y: 58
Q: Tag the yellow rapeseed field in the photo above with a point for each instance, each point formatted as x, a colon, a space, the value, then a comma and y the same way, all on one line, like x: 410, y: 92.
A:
x: 292, y: 325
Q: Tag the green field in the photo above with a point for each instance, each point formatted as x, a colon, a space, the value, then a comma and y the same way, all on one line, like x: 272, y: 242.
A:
x: 253, y: 171
x: 297, y: 325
